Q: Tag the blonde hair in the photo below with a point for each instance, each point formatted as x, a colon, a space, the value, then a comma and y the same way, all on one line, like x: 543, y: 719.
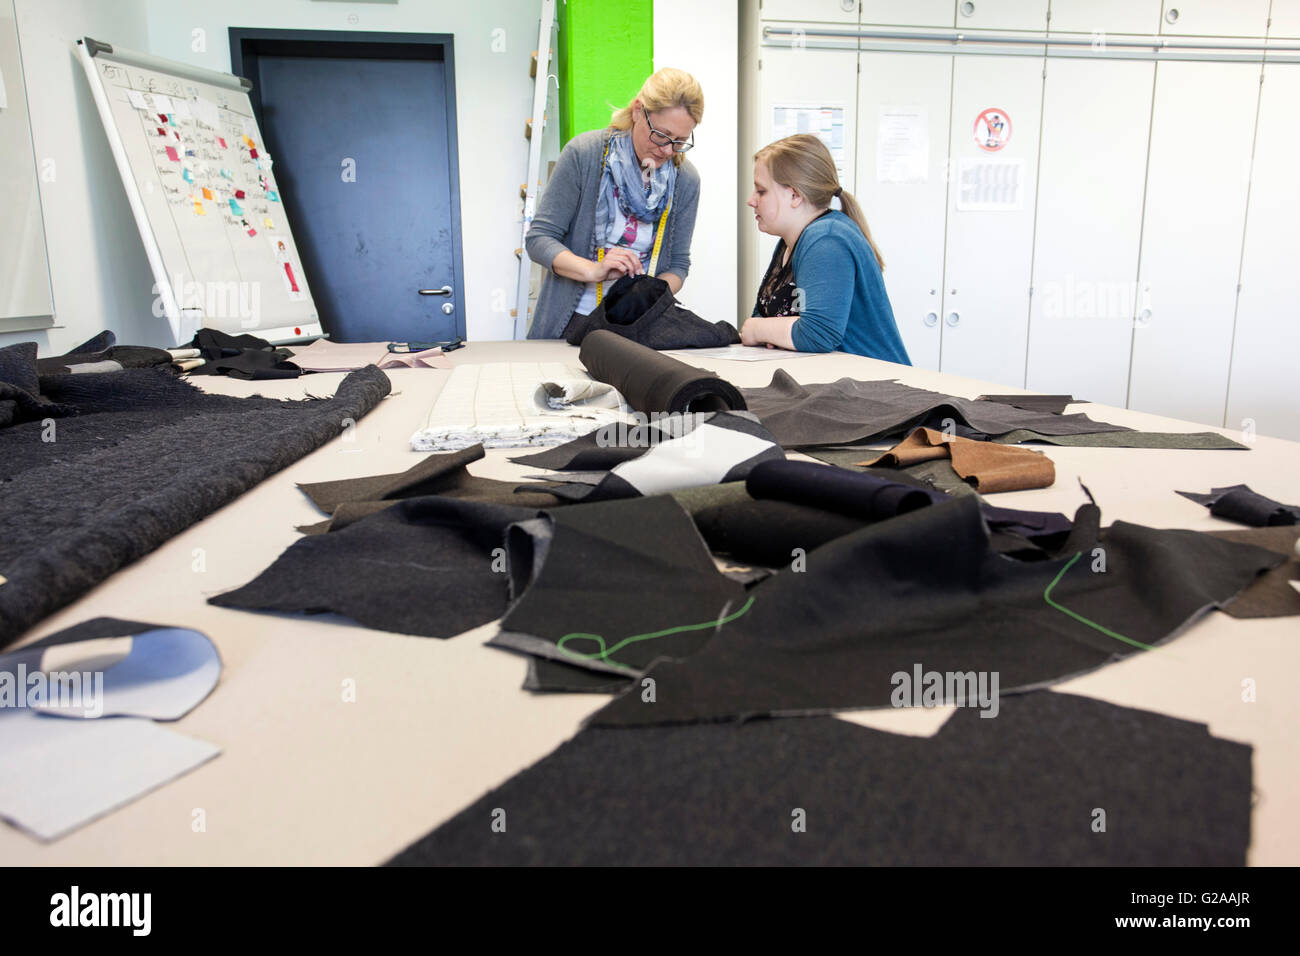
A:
x: 664, y: 90
x: 804, y: 164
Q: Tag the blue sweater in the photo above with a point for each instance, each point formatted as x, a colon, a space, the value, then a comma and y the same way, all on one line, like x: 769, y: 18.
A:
x: 845, y: 306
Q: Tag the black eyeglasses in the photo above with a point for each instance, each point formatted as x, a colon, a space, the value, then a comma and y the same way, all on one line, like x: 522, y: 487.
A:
x: 660, y: 138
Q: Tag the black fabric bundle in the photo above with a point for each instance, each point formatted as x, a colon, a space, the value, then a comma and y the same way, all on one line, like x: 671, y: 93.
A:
x: 103, y: 354
x: 851, y: 412
x: 856, y: 494
x: 147, y: 456
x: 770, y: 533
x: 642, y: 309
x: 1024, y: 789
x: 926, y: 592
x: 20, y: 388
x: 1238, y: 503
x: 241, y: 356
x: 652, y: 382
x: 612, y: 586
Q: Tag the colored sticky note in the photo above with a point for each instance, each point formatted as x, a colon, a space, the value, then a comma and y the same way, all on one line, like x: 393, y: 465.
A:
x: 222, y: 142
x: 162, y: 117
x: 268, y: 223
x: 249, y: 143
x: 226, y: 174
x: 252, y: 232
x: 189, y: 177
x: 198, y: 209
x: 161, y: 131
x: 253, y: 153
x: 239, y: 194
x: 207, y: 193
x: 272, y: 195
x: 171, y: 119
x: 236, y: 208
x: 174, y: 156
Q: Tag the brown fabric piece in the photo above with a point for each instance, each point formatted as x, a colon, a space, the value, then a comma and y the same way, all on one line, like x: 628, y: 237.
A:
x: 990, y: 468
x: 1272, y: 594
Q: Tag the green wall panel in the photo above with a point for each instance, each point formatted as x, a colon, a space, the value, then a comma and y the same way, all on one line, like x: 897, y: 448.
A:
x: 606, y: 52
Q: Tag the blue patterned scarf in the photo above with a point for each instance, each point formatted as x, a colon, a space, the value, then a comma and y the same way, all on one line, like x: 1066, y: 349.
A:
x: 623, y: 184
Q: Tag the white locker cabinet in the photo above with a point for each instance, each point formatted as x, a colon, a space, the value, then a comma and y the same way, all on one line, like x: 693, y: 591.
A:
x: 1106, y: 16
x: 897, y: 91
x: 1265, y: 382
x: 1215, y: 18
x: 811, y: 11
x: 804, y: 79
x: 1202, y: 130
x: 1092, y: 166
x: 1002, y: 14
x: 986, y: 283
x: 1284, y: 20
x: 932, y: 14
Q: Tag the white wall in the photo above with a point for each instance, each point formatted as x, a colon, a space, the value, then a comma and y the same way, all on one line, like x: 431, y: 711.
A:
x: 98, y: 271
x: 493, y: 99
x: 701, y: 38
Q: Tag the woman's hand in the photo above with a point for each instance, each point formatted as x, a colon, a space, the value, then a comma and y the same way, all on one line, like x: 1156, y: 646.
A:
x: 773, y: 332
x: 618, y: 261
x: 749, y: 333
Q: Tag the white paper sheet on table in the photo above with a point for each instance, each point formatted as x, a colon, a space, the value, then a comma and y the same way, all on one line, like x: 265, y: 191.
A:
x: 517, y: 404
x: 741, y: 353
x: 326, y: 356
x: 67, y: 761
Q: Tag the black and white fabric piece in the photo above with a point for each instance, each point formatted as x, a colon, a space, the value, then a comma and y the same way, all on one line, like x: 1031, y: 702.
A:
x: 683, y: 451
x: 612, y: 586
x: 925, y: 592
x: 851, y: 412
x: 1021, y: 790
x: 653, y: 382
x: 1239, y: 503
x: 642, y: 309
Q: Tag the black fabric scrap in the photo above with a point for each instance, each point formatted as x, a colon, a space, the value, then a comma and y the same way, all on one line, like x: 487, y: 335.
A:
x: 849, y: 411
x: 241, y: 356
x: 643, y: 309
x: 123, y: 491
x: 422, y: 566
x: 617, y: 570
x: 546, y: 676
x: 437, y: 474
x: 857, y: 494
x: 1238, y: 503
x: 653, y: 382
x: 1019, y: 790
x: 940, y: 597
x: 1051, y: 404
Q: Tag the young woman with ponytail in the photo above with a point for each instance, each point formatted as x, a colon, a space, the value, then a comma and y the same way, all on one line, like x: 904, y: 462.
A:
x: 824, y: 290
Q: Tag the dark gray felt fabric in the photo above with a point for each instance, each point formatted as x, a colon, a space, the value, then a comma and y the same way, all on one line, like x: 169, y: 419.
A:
x: 125, y: 488
x: 849, y: 411
x: 1020, y: 789
x: 422, y: 566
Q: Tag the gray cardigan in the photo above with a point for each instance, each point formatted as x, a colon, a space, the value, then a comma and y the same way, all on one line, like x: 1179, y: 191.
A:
x: 566, y: 220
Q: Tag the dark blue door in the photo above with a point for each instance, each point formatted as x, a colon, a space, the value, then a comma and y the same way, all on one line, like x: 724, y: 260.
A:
x: 364, y: 153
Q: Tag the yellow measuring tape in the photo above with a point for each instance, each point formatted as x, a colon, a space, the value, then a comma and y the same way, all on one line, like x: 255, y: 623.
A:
x: 659, y: 232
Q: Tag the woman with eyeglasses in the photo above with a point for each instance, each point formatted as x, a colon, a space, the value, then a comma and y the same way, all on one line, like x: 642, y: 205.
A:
x: 621, y: 202
x: 824, y: 290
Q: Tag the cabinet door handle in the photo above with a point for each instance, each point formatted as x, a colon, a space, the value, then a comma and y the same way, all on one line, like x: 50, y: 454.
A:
x: 931, y: 319
x: 953, y: 319
x: 445, y: 290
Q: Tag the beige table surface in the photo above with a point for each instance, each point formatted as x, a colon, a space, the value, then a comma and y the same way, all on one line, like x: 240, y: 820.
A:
x: 307, y: 778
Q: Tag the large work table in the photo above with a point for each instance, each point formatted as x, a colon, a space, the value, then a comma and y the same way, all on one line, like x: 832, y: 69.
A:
x: 307, y: 777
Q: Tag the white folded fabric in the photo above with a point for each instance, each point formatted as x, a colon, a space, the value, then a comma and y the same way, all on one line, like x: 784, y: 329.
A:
x: 517, y: 404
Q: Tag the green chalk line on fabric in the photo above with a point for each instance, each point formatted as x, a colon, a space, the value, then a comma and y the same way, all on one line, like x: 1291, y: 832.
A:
x: 605, y: 653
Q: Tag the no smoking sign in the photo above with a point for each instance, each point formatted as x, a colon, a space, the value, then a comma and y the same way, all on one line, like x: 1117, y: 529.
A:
x: 992, y: 130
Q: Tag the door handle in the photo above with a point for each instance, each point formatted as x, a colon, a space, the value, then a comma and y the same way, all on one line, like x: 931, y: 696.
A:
x: 931, y: 319
x: 953, y: 319
x: 445, y: 290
